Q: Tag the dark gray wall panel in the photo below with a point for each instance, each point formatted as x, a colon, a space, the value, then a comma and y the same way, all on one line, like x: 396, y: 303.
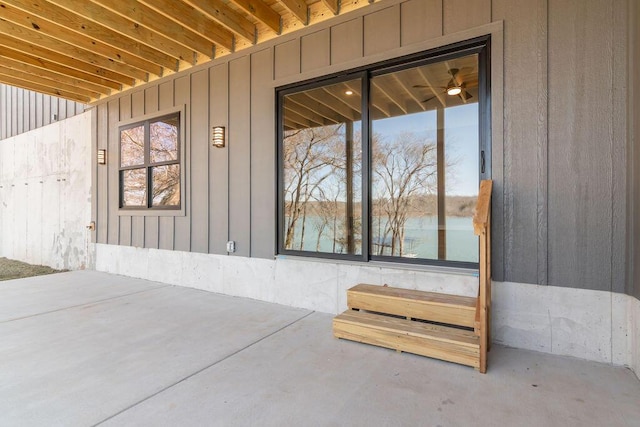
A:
x: 460, y: 15
x: 112, y: 165
x: 219, y: 161
x: 240, y: 155
x: 314, y: 51
x: 151, y: 222
x: 346, y: 41
x: 620, y: 140
x: 182, y: 232
x: 23, y: 110
x: 166, y: 224
x: 382, y: 31
x: 580, y: 140
x: 633, y: 285
x: 3, y: 111
x: 101, y: 215
x: 263, y: 157
x: 125, y: 220
x: 523, y: 52
x: 200, y: 131
x: 287, y: 60
x: 421, y: 20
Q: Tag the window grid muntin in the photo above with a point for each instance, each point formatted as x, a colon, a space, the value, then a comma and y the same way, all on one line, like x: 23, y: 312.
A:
x: 148, y: 165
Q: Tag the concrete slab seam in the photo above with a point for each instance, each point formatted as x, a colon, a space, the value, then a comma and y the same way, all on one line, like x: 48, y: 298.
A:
x: 83, y: 304
x: 203, y: 369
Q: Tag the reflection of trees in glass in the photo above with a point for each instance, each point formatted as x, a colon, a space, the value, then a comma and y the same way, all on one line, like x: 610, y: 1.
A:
x: 404, y: 169
x: 164, y: 140
x: 132, y: 146
x: 134, y: 187
x: 315, y: 185
x: 151, y: 147
x: 166, y: 185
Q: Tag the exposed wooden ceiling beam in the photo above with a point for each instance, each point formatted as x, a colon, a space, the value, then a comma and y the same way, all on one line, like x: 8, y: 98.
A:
x: 55, y: 67
x: 332, y: 5
x: 298, y: 8
x: 30, y: 70
x: 50, y: 83
x: 297, y: 116
x: 227, y: 17
x: 63, y: 25
x: 42, y: 46
x: 128, y: 28
x: 379, y: 85
x: 262, y: 13
x: 148, y: 17
x: 323, y: 97
x: 320, y: 109
x: 188, y: 16
x: 99, y: 46
x: 402, y: 83
x: 26, y: 84
x: 427, y: 81
x: 308, y: 114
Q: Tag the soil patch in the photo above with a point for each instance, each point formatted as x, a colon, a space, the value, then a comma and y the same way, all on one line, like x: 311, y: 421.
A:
x: 10, y: 269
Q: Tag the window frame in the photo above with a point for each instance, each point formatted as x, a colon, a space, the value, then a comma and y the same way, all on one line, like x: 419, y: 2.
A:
x: 480, y: 46
x: 146, y: 120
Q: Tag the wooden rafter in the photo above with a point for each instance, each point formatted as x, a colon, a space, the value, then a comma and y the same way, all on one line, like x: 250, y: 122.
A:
x: 101, y: 47
x: 57, y: 68
x: 29, y: 70
x: 188, y: 16
x: 126, y: 27
x: 53, y: 84
x: 30, y: 85
x: 144, y: 15
x: 261, y: 12
x: 332, y: 5
x: 227, y: 17
x: 298, y: 8
x: 66, y: 26
x: 43, y: 46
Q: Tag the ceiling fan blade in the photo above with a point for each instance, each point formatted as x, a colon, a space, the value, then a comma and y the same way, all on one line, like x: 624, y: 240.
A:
x: 428, y: 99
x: 465, y: 95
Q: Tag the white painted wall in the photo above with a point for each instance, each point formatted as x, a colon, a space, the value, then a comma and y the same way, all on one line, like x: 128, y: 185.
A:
x: 593, y: 325
x: 45, y: 194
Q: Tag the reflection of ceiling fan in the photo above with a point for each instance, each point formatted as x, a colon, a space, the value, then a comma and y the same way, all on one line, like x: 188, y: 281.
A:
x: 453, y: 88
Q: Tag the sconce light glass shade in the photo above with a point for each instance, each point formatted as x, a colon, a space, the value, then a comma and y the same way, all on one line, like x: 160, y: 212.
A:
x: 454, y: 90
x: 102, y: 156
x: 217, y: 136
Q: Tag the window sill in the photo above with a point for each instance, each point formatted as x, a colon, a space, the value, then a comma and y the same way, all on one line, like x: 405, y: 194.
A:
x: 152, y: 212
x: 472, y: 272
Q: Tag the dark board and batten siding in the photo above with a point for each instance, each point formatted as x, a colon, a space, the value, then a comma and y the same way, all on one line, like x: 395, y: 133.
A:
x: 633, y: 209
x: 23, y: 110
x: 558, y: 142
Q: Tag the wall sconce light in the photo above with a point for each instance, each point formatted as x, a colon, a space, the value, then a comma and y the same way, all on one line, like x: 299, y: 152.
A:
x: 217, y: 137
x: 102, y: 156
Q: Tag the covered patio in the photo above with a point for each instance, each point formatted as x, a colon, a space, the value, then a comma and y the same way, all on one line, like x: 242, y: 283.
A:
x: 91, y: 348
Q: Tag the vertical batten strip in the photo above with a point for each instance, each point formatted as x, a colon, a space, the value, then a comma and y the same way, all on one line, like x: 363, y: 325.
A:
x: 542, y: 208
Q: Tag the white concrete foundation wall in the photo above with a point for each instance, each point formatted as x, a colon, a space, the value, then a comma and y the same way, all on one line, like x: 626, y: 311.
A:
x: 45, y: 194
x: 592, y: 325
x: 634, y: 334
x: 314, y: 285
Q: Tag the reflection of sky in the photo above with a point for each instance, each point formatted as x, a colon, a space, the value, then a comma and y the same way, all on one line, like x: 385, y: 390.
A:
x: 461, y: 141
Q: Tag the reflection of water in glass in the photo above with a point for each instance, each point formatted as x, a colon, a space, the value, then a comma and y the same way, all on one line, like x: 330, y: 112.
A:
x: 421, y: 238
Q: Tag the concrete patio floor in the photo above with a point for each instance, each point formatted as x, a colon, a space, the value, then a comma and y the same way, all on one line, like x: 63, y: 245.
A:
x: 87, y: 348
